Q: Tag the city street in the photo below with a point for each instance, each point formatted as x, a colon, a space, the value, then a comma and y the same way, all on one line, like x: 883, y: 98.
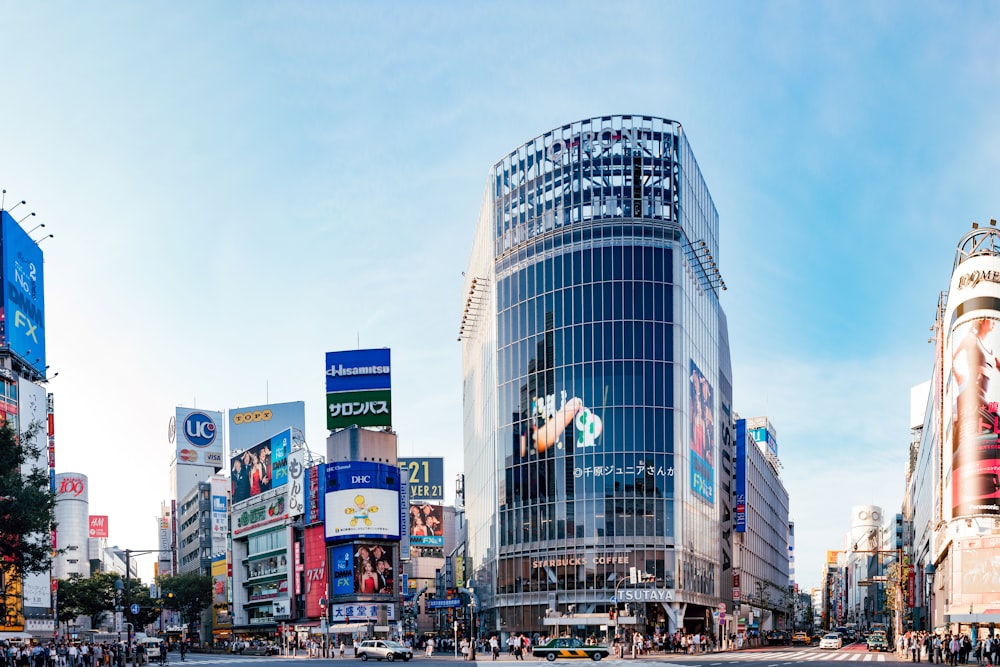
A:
x: 766, y: 657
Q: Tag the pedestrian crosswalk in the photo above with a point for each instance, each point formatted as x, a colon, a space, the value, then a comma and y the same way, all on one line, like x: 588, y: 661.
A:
x: 775, y: 657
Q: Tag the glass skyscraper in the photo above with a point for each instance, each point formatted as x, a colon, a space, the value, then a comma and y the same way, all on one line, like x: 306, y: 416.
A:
x: 597, y: 386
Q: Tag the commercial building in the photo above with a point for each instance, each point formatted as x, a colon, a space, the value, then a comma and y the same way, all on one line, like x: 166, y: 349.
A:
x: 597, y: 386
x: 267, y: 464
x: 952, y: 505
x: 762, y: 531
x: 24, y: 403
x: 73, y: 520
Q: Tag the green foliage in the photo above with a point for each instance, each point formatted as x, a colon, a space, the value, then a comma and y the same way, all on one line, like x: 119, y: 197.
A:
x: 27, y: 512
x: 192, y: 592
x: 91, y: 596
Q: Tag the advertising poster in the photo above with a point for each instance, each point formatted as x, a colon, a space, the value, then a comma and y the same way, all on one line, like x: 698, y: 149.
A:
x: 701, y: 432
x: 342, y: 560
x: 315, y: 570
x: 373, y: 569
x: 23, y: 294
x: 255, y: 424
x: 740, y: 478
x: 426, y: 525
x: 976, y: 429
x: 425, y: 477
x: 362, y: 500
x: 315, y: 494
x: 198, y: 435
x: 261, y: 468
x: 219, y: 577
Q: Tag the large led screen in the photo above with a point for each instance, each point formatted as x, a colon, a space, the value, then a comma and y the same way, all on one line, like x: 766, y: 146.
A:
x: 426, y: 525
x: 261, y: 468
x: 23, y: 294
x: 373, y: 569
x: 362, y: 500
x: 342, y: 558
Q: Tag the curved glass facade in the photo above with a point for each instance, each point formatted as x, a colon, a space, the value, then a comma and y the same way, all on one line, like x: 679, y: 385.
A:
x: 596, y: 379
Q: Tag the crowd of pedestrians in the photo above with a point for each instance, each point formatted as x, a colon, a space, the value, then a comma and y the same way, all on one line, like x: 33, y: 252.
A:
x: 949, y: 648
x: 76, y: 654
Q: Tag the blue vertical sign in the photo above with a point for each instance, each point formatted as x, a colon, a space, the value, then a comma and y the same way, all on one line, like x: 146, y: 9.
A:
x: 23, y: 294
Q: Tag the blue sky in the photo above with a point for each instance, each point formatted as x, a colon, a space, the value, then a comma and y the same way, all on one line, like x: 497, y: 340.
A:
x: 237, y: 188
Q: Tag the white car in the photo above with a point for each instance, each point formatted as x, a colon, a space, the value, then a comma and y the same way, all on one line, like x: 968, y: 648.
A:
x: 831, y: 640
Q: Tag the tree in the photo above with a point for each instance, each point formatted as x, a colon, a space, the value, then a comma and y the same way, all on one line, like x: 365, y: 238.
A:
x: 27, y: 515
x: 91, y: 596
x: 192, y: 592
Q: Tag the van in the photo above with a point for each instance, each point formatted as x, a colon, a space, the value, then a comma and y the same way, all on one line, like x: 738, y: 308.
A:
x: 152, y: 646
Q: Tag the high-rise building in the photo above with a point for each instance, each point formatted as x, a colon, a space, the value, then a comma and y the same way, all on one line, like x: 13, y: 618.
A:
x: 597, y: 385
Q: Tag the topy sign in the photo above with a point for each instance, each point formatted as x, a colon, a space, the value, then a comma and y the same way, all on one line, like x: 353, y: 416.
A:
x: 354, y: 370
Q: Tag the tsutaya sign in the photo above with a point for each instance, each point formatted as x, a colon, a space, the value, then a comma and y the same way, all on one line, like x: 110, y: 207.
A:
x: 646, y: 594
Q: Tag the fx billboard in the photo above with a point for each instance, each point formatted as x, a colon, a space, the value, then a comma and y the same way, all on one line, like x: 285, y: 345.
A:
x: 23, y: 294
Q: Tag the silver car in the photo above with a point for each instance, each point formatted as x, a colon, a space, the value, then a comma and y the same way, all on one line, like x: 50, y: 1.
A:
x: 382, y: 649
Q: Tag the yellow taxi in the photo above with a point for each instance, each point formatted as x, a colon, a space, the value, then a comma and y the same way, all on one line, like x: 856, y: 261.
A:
x: 801, y: 638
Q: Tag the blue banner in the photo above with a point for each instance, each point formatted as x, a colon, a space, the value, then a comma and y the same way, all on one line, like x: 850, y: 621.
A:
x: 23, y: 294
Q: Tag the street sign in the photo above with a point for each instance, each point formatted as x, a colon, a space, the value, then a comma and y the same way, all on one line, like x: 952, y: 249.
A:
x: 614, y: 599
x: 134, y: 608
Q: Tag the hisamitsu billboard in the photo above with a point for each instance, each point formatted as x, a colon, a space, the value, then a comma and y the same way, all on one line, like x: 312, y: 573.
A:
x: 357, y: 370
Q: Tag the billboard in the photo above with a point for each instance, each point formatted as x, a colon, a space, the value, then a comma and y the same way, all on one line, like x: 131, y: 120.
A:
x: 359, y: 408
x: 425, y: 477
x: 198, y: 436
x: 362, y: 500
x: 701, y: 433
x: 740, y: 478
x: 32, y: 409
x: 260, y: 468
x: 251, y: 425
x: 258, y: 515
x: 23, y: 294
x: 426, y: 525
x: 358, y: 388
x: 297, y: 482
x: 315, y: 570
x: 315, y: 493
x: 357, y: 370
x: 342, y: 561
x: 97, y: 526
x: 373, y: 569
